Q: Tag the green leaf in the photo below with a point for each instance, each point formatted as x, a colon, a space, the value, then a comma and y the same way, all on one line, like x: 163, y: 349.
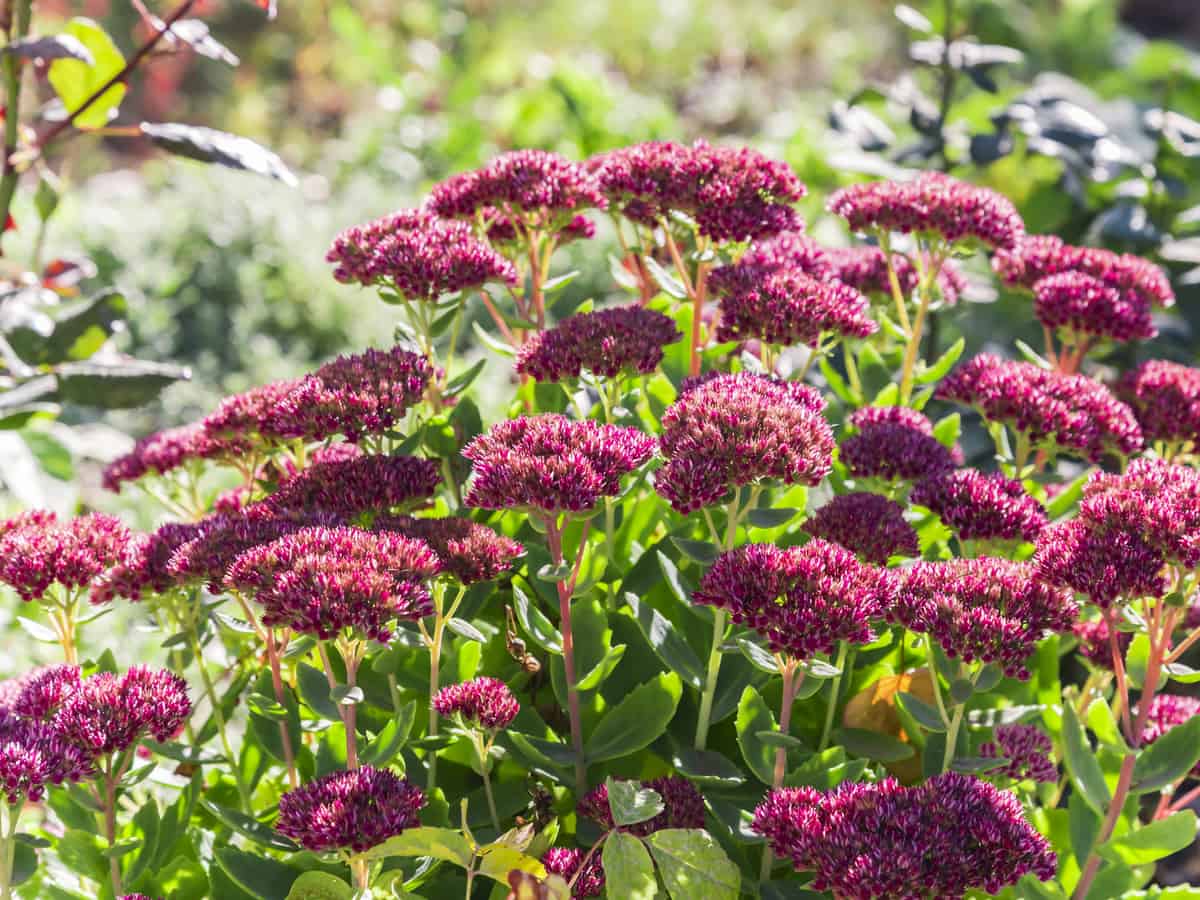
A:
x: 1060, y: 504
x: 757, y: 656
x: 317, y: 885
x: 638, y: 720
x: 1083, y: 824
x: 707, y: 767
x: 25, y: 863
x: 753, y: 718
x: 1137, y: 658
x: 1082, y: 766
x: 697, y: 551
x: 260, y: 876
x: 347, y: 694
x: 770, y: 518
x: 631, y: 803
x: 36, y: 630
x: 221, y: 148
x: 1182, y: 673
x: 674, y: 579
x: 1032, y: 355
x: 693, y: 865
x: 251, y: 828
x: 75, y: 80
x: 494, y: 344
x: 534, y: 623
x: 120, y: 384
x: 948, y: 430
x: 464, y: 380
x: 555, y: 573
x: 497, y: 860
x: 667, y: 643
x: 938, y: 370
x: 593, y: 679
x: 778, y: 739
x: 439, y: 843
x: 1152, y: 842
x: 667, y: 281
x: 266, y: 706
x: 1169, y: 758
x: 628, y: 869
x: 559, y: 282
x: 314, y: 691
x: 552, y: 754
x: 465, y: 629
x: 392, y: 738
x: 874, y: 745
x: 927, y: 716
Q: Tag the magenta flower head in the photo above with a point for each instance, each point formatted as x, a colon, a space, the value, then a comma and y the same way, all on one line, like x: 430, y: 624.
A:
x: 539, y: 190
x: 552, y: 464
x: 483, y: 702
x: 144, y: 566
x: 607, y: 343
x: 1165, y: 397
x: 895, y: 443
x: 942, y: 838
x: 871, y: 525
x: 468, y: 552
x: 39, y: 552
x: 1102, y: 562
x: 983, y: 610
x: 321, y: 581
x: 34, y: 756
x: 932, y: 203
x: 683, y: 806
x: 565, y: 863
x: 1095, y: 644
x: 352, y: 810
x: 791, y: 251
x: 978, y: 506
x: 160, y: 453
x: 110, y: 713
x: 1073, y: 413
x: 503, y: 232
x: 43, y: 692
x: 418, y: 255
x: 1157, y: 500
x: 243, y: 421
x: 726, y: 431
x: 865, y: 269
x: 351, y: 487
x: 802, y: 600
x: 1079, y: 304
x: 1027, y: 750
x: 1166, y: 712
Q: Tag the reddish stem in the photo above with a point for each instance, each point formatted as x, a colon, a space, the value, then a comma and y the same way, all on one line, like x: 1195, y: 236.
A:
x: 285, y: 737
x: 554, y: 537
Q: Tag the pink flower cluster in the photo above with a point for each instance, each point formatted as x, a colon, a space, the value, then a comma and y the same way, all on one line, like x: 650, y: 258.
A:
x: 940, y: 839
x: 1165, y: 397
x: 349, y: 488
x: 895, y: 443
x: 791, y: 251
x: 1082, y: 305
x: 1166, y: 712
x: 931, y: 203
x: 1094, y: 643
x: 1027, y: 750
x: 683, y: 806
x: 566, y: 863
x: 144, y: 565
x: 865, y: 269
x: 869, y: 524
x: 468, y: 552
x: 353, y: 810
x: 34, y: 756
x: 727, y: 431
x: 979, y: 506
x: 160, y: 453
x: 482, y: 702
x: 243, y: 421
x: 43, y: 692
x: 802, y: 600
x: 607, y: 343
x: 39, y: 551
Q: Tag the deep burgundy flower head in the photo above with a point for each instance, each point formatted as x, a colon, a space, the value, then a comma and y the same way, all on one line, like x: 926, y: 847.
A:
x: 895, y: 443
x: 788, y: 251
x: 249, y: 419
x: 940, y: 839
x: 321, y: 580
x: 551, y: 463
x: 786, y: 306
x: 29, y: 519
x: 43, y: 692
x: 1027, y: 750
x: 683, y: 806
x: 1103, y: 563
x: 566, y: 862
x: 1082, y: 305
x: 608, y: 343
x: 1165, y: 397
x: 983, y: 610
x: 38, y: 552
x: 34, y: 756
x: 109, y: 713
x: 161, y: 452
x: 869, y: 524
x: 143, y: 567
x: 1094, y: 643
x: 979, y: 506
x: 931, y: 203
x: 481, y: 702
x: 864, y: 268
x: 726, y: 431
x: 1166, y: 712
x: 469, y: 552
x: 1037, y: 256
x: 349, y: 488
x: 1073, y: 412
x: 802, y: 600
x: 418, y: 255
x: 352, y: 810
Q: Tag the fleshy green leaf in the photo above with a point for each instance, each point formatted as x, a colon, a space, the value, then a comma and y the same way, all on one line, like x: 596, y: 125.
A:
x: 638, y: 720
x: 438, y: 843
x: 694, y: 865
x: 753, y: 718
x: 874, y: 745
x: 75, y: 80
x: 320, y: 886
x: 628, y: 869
x: 1169, y: 758
x: 667, y: 643
x: 1152, y: 842
x: 1085, y: 771
x: 631, y: 803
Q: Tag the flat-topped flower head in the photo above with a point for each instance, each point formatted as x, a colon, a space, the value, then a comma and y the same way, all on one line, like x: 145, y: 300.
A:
x: 144, y: 566
x: 802, y: 600
x: 351, y: 487
x: 1095, y: 644
x: 552, y: 464
x: 40, y: 552
x: 353, y: 810
x: 1079, y: 304
x: 1037, y: 256
x: 1103, y: 563
x: 160, y: 453
x: 1155, y: 499
x: 1027, y: 750
x: 895, y: 443
x: 468, y: 552
x: 787, y: 251
x: 566, y: 863
x: 43, y: 692
x: 726, y: 431
x: 248, y: 420
x: 322, y: 581
x: 865, y: 269
x: 1072, y: 413
x: 983, y: 610
x: 645, y: 182
x: 418, y: 255
x: 979, y: 506
x: 883, y: 841
x: 1165, y: 397
x: 482, y: 702
x: 608, y: 343
x: 932, y: 203
x: 871, y: 525
x: 1168, y: 711
x: 109, y: 713
x: 33, y: 757
x: 683, y: 806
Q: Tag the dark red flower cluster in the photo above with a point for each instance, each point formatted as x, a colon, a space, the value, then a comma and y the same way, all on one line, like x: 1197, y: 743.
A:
x: 482, y: 702
x: 109, y: 713
x: 869, y: 524
x: 940, y: 839
x: 44, y: 691
x: 802, y: 600
x: 320, y: 581
x: 1102, y: 562
x: 1094, y: 644
x: 983, y: 610
x: 895, y: 443
x: 39, y: 551
x: 791, y: 251
x: 726, y: 431
x: 241, y: 421
x: 144, y: 564
x: 348, y: 488
x: 1082, y: 305
x: 1027, y: 750
x: 469, y: 552
x: 352, y: 810
x: 33, y: 756
x: 930, y: 203
x: 865, y: 269
x: 607, y: 343
x: 566, y: 863
x: 418, y: 255
x: 161, y: 452
x: 1165, y: 397
x: 552, y: 464
x: 1073, y: 412
x: 979, y: 506
x: 1168, y: 711
x: 683, y: 806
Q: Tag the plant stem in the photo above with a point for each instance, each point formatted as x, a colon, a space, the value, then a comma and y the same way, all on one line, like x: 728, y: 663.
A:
x: 554, y: 536
x: 485, y: 769
x: 285, y: 736
x: 835, y: 689
x: 913, y: 350
x: 952, y: 735
x: 12, y: 110
x: 110, y: 826
x: 718, y: 637
x: 434, y: 642
x: 359, y: 868
x: 9, y: 813
x: 346, y: 710
x: 791, y: 684
x: 1124, y: 780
